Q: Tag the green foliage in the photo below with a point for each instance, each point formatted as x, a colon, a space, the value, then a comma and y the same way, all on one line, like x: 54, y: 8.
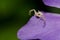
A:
x: 13, y: 15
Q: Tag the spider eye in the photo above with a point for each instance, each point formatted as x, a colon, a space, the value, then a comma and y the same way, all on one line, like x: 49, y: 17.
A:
x: 38, y: 14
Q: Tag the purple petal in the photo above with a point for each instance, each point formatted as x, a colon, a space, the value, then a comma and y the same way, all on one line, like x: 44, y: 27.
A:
x: 34, y: 28
x: 53, y: 3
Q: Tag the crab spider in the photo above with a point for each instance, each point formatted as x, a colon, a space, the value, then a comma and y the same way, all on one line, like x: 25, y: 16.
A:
x: 38, y: 15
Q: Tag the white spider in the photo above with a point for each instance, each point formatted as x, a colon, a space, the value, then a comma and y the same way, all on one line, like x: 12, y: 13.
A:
x: 38, y: 14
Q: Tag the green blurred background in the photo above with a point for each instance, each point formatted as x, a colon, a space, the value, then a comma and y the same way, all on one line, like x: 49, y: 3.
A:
x: 13, y: 15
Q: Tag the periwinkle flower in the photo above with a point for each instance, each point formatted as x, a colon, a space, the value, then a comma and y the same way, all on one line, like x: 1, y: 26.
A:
x: 37, y: 28
x: 34, y: 28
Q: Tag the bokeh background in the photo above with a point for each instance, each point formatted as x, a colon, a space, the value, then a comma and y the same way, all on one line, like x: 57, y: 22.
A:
x: 14, y: 14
